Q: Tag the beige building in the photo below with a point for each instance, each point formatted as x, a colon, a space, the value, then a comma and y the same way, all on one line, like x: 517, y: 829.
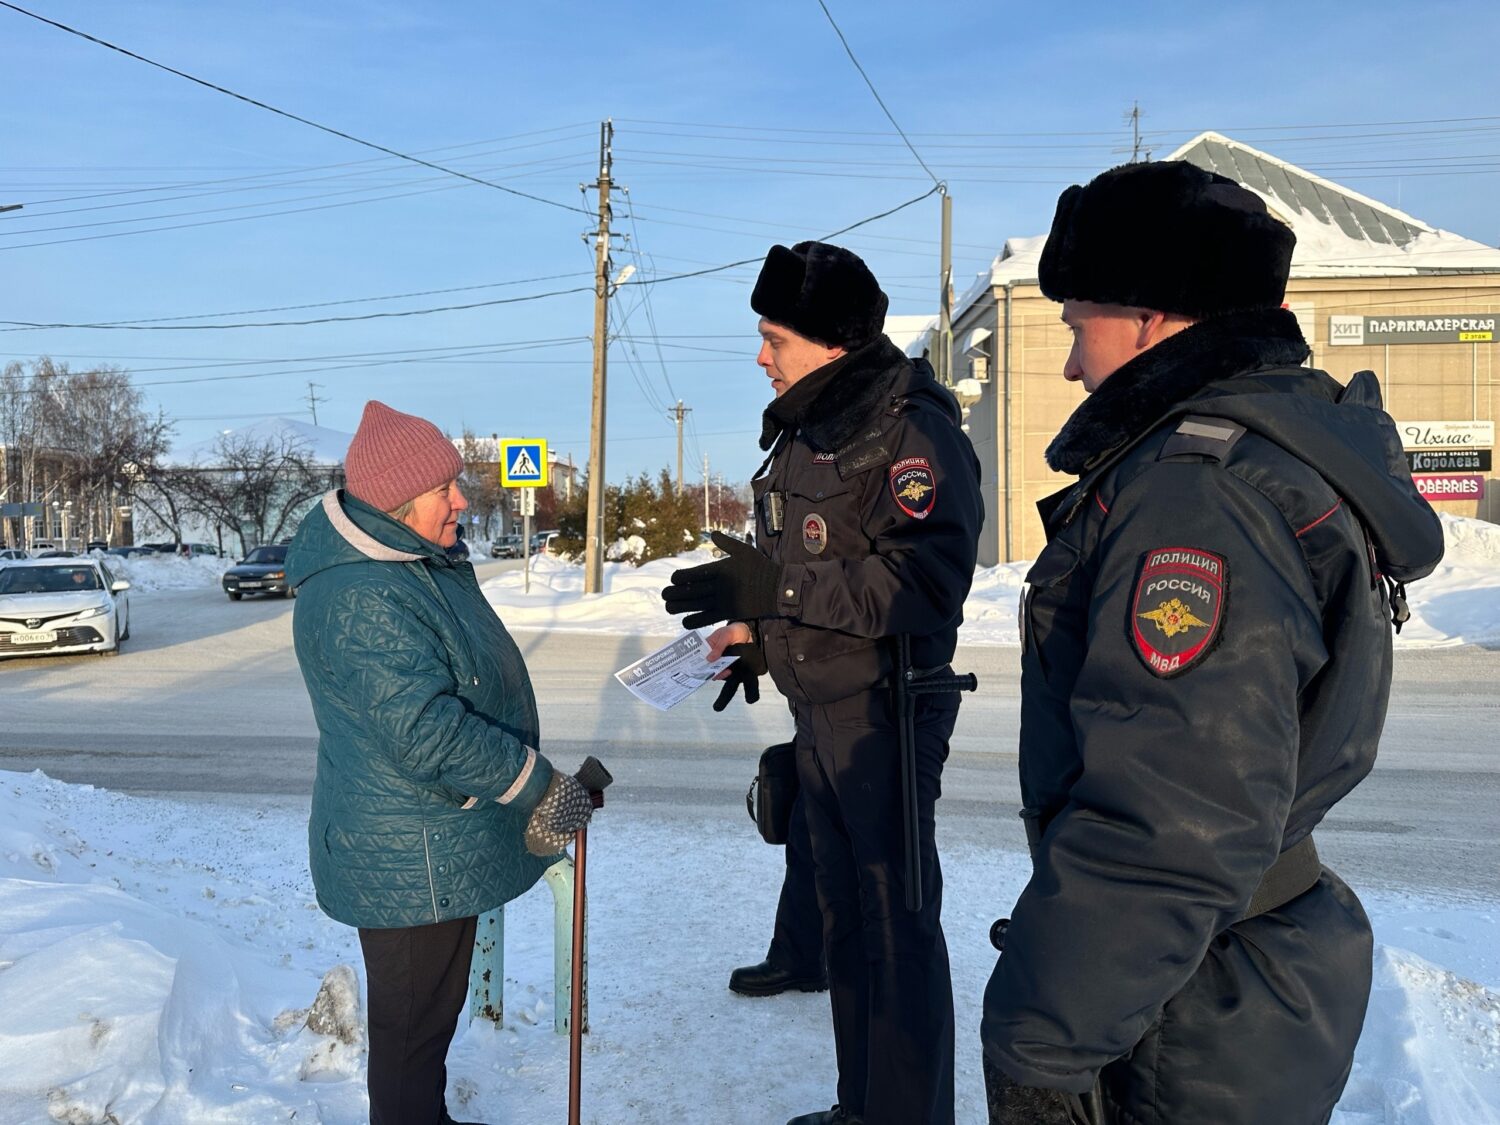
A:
x: 1373, y: 288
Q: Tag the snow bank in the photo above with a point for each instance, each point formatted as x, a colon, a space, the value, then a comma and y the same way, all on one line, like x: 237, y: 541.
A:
x: 169, y: 572
x: 1458, y: 604
x: 165, y: 964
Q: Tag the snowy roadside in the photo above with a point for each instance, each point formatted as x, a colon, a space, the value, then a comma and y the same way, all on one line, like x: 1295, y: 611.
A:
x: 169, y: 572
x: 172, y: 990
x: 1458, y: 604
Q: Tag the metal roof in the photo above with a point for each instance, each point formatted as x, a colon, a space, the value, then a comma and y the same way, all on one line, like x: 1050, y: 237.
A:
x: 1302, y: 193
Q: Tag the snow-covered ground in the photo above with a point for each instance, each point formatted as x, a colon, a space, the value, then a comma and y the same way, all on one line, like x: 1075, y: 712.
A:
x: 169, y: 572
x: 1458, y: 604
x: 157, y: 961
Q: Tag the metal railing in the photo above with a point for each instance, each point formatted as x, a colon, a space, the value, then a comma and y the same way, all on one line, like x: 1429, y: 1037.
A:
x: 487, y: 969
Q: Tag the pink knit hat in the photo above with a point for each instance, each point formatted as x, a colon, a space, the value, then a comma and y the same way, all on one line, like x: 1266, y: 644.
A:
x: 396, y: 457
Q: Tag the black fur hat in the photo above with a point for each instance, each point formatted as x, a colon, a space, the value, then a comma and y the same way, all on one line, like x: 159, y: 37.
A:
x: 822, y: 292
x: 1168, y: 236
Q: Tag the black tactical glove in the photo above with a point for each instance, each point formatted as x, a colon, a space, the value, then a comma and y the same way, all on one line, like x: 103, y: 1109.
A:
x: 1011, y: 1104
x: 563, y: 810
x: 739, y: 587
x: 747, y: 670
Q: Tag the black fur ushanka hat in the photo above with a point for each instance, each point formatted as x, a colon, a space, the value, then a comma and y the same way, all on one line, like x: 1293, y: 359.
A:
x: 823, y: 292
x: 1168, y: 236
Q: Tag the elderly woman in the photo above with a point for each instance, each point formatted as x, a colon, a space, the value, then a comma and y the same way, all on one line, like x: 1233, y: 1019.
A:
x: 431, y: 804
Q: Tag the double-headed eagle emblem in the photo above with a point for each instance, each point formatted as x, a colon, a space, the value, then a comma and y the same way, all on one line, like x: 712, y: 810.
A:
x: 1173, y: 617
x: 914, y: 490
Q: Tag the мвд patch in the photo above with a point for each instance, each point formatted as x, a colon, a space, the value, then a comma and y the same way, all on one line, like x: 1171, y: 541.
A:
x: 1177, y: 613
x: 914, y: 486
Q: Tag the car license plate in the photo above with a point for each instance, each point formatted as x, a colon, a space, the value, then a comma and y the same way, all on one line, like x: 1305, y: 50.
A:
x: 35, y: 637
x: 251, y: 585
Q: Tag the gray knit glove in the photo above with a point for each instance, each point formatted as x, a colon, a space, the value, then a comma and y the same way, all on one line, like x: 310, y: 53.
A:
x: 1011, y: 1104
x: 563, y: 810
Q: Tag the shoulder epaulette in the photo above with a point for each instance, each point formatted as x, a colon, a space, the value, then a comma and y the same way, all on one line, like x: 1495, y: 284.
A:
x: 1203, y: 436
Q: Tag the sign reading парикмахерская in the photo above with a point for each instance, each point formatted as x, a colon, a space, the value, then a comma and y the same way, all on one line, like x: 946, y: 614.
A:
x: 1455, y: 328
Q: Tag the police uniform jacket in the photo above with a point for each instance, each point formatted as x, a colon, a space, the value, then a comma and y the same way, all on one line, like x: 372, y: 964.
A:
x: 871, y: 504
x: 1205, y: 671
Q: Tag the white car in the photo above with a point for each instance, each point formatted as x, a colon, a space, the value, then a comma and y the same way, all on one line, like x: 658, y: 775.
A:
x: 12, y: 554
x: 62, y: 605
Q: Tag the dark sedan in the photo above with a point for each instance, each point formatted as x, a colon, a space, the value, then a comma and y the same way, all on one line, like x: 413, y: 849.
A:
x: 262, y: 571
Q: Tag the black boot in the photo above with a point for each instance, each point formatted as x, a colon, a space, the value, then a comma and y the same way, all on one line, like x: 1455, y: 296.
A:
x: 767, y: 979
x: 835, y: 1116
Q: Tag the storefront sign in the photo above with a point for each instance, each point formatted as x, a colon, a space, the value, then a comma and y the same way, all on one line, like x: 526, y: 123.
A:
x: 1447, y: 435
x: 1457, y: 328
x: 1451, y: 487
x: 1448, y: 460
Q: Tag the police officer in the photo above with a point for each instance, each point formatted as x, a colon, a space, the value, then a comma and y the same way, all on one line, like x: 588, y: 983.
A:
x: 1205, y: 671
x: 795, y: 960
x: 869, y: 513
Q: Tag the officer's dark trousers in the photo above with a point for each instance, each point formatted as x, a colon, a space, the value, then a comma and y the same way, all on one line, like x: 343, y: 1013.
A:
x: 797, y: 944
x: 887, y: 967
x: 417, y: 978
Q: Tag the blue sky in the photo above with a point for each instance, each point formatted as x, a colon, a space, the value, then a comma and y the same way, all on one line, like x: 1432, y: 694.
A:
x: 737, y: 125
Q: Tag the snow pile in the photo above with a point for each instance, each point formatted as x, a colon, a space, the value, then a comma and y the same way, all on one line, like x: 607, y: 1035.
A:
x: 631, y: 601
x: 169, y: 572
x: 1458, y: 604
x: 165, y: 963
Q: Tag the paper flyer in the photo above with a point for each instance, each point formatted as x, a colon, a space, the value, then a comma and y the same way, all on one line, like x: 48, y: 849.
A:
x: 669, y: 675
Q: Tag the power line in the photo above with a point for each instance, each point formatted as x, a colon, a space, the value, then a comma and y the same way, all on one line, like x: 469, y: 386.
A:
x: 283, y: 113
x: 141, y: 326
x: 879, y: 100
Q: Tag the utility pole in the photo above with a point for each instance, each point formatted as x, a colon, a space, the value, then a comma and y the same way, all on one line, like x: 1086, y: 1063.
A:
x: 1134, y: 117
x: 705, y: 492
x: 313, y: 399
x: 593, y: 554
x: 945, y: 297
x: 679, y: 412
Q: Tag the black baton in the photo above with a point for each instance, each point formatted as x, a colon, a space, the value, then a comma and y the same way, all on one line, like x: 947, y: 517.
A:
x: 909, y: 685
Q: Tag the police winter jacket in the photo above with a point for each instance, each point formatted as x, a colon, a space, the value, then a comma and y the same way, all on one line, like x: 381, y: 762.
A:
x: 427, y: 726
x: 1205, y: 672
x: 871, y: 503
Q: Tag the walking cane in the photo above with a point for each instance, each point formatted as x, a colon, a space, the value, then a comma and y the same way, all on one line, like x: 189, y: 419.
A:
x: 595, y: 778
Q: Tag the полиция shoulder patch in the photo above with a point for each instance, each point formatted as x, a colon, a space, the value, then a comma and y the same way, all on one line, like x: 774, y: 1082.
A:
x: 1177, y: 611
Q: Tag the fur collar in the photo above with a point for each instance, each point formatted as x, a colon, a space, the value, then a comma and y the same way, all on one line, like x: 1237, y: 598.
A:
x: 1143, y: 391
x: 831, y: 404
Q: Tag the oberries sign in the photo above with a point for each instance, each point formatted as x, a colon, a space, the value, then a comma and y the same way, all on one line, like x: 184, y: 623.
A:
x: 1440, y: 448
x: 1450, y: 487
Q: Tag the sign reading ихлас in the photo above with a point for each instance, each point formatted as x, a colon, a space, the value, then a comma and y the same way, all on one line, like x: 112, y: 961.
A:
x: 1447, y: 435
x: 1456, y: 328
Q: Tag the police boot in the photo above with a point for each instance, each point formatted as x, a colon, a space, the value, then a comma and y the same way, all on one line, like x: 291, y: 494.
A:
x: 767, y: 979
x: 835, y: 1116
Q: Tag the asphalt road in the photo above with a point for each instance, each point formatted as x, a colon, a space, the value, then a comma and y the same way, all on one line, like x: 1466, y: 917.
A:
x: 206, y: 701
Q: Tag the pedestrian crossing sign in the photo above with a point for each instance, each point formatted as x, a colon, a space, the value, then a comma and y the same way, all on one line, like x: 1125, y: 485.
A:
x: 523, y: 462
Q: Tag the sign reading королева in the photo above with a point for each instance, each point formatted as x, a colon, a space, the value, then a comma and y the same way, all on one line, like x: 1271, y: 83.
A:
x: 523, y: 462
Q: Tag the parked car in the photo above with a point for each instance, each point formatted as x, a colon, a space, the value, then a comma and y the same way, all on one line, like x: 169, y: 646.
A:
x: 62, y: 605
x: 95, y: 545
x: 262, y: 571
x: 541, y: 542
x: 201, y: 549
x: 57, y: 553
x: 506, y: 547
x: 10, y: 554
x: 130, y: 552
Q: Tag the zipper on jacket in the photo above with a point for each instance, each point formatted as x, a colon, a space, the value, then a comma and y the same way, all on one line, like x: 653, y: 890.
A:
x: 431, y: 885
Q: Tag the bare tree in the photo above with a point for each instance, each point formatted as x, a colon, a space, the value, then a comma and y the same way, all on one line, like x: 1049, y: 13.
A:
x: 255, y: 487
x: 78, y: 435
x: 481, y: 480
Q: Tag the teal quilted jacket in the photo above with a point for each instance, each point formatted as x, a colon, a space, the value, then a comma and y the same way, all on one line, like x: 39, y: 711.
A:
x: 427, y: 726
